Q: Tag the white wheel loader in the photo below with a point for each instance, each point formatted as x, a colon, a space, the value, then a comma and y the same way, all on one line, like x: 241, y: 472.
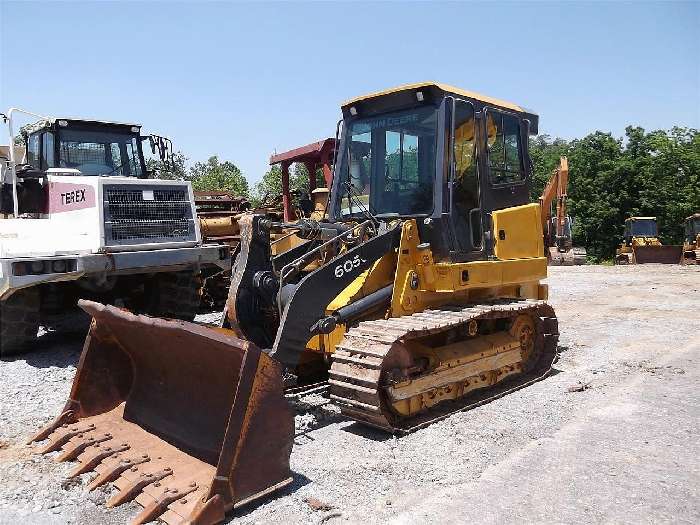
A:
x: 80, y: 218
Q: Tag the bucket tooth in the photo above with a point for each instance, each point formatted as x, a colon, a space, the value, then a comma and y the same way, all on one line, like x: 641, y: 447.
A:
x: 158, y: 506
x: 66, y: 418
x: 77, y: 445
x: 63, y: 435
x: 128, y: 491
x: 93, y: 457
x: 113, y: 471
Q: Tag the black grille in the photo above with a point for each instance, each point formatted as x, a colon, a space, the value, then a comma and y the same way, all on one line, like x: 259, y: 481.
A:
x: 147, y: 214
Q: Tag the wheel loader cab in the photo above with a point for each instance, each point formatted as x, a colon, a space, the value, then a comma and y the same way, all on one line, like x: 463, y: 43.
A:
x: 644, y: 227
x: 445, y: 157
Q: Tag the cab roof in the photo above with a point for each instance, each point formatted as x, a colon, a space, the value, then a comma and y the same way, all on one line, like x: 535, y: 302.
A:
x: 442, y: 89
x: 51, y: 121
x: 641, y: 218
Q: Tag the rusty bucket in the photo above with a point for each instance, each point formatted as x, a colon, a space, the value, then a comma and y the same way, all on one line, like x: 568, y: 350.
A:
x: 189, y: 421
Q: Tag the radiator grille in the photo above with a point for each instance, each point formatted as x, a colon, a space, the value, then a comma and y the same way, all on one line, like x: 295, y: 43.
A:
x: 135, y: 214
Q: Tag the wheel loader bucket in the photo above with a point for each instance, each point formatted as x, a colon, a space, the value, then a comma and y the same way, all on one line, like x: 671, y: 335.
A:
x: 189, y: 421
x: 658, y: 254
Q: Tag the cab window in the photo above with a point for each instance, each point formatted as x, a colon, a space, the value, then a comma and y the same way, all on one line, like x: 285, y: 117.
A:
x: 505, y: 149
x: 33, y: 151
x: 47, y: 150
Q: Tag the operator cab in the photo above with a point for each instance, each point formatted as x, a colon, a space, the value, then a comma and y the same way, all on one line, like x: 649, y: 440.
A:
x: 76, y: 147
x: 444, y: 156
x: 95, y: 148
x: 640, y: 227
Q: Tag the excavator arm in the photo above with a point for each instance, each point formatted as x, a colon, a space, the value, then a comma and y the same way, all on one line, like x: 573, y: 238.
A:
x: 555, y: 189
x: 557, y: 232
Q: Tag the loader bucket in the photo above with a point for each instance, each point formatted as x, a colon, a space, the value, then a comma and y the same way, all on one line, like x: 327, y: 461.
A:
x: 658, y: 254
x: 187, y: 420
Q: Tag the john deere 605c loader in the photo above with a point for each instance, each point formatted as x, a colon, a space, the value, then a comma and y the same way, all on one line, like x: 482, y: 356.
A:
x: 421, y: 287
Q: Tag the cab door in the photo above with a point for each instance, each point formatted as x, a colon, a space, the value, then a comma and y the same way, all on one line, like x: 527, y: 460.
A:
x: 505, y: 165
x: 465, y: 187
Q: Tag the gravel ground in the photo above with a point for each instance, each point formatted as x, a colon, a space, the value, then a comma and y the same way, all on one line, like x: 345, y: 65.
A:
x: 622, y: 449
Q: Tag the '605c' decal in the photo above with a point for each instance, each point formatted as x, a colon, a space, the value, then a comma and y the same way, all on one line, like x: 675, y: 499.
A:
x: 348, y: 266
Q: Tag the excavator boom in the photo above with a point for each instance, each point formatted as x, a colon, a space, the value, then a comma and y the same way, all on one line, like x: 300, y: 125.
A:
x: 557, y: 229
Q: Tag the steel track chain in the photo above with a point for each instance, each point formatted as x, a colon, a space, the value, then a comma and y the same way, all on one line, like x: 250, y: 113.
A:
x: 355, y: 374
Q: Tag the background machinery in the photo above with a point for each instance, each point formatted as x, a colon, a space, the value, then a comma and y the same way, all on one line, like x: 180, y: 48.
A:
x: 80, y: 219
x: 641, y: 244
x: 557, y: 227
x: 691, y: 242
x: 424, y: 291
x: 219, y: 212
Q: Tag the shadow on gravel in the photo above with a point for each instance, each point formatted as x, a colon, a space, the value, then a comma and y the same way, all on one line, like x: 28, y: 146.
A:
x: 298, y: 481
x: 310, y: 417
x: 57, y: 349
x: 368, y: 432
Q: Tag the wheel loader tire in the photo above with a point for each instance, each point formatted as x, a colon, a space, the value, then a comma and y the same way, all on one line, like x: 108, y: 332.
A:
x: 19, y: 322
x: 174, y: 295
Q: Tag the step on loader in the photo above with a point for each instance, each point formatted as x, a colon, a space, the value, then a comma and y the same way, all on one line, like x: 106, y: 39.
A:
x: 418, y: 294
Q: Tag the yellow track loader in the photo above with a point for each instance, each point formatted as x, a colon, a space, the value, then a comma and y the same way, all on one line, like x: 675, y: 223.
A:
x: 641, y: 244
x: 691, y: 243
x: 419, y: 294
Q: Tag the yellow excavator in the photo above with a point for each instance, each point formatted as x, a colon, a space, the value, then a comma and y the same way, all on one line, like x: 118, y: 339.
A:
x: 557, y: 227
x: 417, y: 295
x: 641, y: 244
x: 691, y: 243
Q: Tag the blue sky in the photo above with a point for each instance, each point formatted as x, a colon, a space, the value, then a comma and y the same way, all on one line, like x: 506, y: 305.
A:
x: 242, y: 80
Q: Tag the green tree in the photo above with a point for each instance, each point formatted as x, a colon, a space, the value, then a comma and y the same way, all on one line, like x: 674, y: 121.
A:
x: 545, y: 153
x: 648, y: 174
x: 652, y: 174
x: 175, y: 170
x: 270, y: 186
x: 214, y: 175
